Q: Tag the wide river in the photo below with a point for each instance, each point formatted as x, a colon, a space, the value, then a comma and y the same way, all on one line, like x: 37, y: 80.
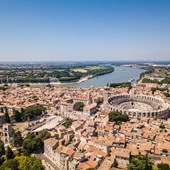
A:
x: 120, y: 74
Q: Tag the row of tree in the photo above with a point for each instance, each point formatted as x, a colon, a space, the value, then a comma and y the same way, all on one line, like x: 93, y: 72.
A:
x: 165, y: 81
x: 141, y: 162
x: 122, y: 85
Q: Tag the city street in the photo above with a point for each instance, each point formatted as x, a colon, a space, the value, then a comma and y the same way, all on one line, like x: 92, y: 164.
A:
x: 48, y: 162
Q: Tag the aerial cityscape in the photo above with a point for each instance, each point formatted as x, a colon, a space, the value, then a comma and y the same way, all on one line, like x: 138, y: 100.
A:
x: 84, y: 85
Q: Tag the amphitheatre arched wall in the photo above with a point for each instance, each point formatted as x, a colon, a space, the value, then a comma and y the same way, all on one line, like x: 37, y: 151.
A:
x: 138, y: 105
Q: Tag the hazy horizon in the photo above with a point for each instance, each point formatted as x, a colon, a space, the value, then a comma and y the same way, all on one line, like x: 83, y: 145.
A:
x: 121, y: 61
x: 90, y: 30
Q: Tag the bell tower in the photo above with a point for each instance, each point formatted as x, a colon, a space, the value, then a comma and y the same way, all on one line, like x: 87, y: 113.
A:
x: 90, y: 100
x: 106, y: 95
x: 7, y: 132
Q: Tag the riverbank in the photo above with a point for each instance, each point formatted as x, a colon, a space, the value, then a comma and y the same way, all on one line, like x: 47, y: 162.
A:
x: 67, y: 83
x: 64, y: 83
x: 119, y: 75
x: 55, y: 83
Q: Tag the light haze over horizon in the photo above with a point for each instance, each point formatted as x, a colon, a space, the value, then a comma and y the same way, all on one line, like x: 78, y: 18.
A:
x: 75, y: 30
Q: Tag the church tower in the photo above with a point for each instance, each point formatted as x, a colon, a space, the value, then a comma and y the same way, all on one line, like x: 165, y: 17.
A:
x: 7, y: 132
x: 106, y: 95
x: 90, y: 100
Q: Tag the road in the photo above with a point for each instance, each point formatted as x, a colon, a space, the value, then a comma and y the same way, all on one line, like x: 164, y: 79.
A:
x: 48, y: 161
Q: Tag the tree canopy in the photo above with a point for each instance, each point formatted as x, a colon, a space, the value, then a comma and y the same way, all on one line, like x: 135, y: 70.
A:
x: 9, y: 161
x: 17, y: 116
x: 2, y: 148
x: 68, y: 123
x: 78, y: 106
x: 22, y: 163
x: 17, y: 139
x: 6, y: 117
x: 10, y: 164
x: 35, y: 143
x: 117, y: 117
x: 140, y: 162
x: 163, y: 166
x: 29, y: 163
x: 121, y: 85
x: 33, y: 111
x: 9, y: 153
x: 30, y: 112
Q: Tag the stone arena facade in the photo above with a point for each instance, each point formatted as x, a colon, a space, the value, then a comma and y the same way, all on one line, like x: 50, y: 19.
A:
x: 138, y: 105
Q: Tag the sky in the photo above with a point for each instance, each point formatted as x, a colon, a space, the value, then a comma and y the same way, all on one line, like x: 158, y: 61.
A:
x: 84, y: 30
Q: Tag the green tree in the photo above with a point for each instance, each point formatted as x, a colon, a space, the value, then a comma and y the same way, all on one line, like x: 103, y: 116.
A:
x: 6, y: 168
x: 17, y: 139
x: 49, y: 85
x: 140, y: 162
x: 163, y: 166
x: 6, y: 117
x: 44, y: 134
x: 2, y: 159
x: 32, y: 111
x: 22, y: 110
x: 35, y: 144
x: 122, y: 85
x: 17, y: 116
x: 9, y: 153
x: 68, y: 123
x: 78, y: 106
x: 29, y: 145
x: 39, y: 147
x: 2, y: 148
x: 30, y: 163
x: 10, y: 164
x: 162, y: 126
x: 115, y: 116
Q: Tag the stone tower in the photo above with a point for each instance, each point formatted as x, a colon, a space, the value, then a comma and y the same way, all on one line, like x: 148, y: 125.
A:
x: 105, y: 97
x: 7, y: 132
x: 90, y: 100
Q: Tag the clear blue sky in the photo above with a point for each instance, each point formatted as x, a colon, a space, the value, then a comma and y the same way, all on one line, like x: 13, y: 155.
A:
x: 52, y: 30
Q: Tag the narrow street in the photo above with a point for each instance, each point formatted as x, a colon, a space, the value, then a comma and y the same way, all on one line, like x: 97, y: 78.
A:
x: 49, y: 163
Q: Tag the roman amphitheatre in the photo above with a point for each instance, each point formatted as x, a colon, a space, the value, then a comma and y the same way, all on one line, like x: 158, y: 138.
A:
x: 137, y: 105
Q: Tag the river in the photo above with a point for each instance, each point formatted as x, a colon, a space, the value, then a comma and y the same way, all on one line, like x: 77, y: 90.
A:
x: 120, y: 74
